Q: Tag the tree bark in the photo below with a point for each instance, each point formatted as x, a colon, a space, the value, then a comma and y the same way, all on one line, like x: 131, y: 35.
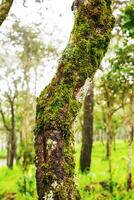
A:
x: 11, y: 136
x: 129, y: 125
x: 109, y: 147
x: 4, y: 9
x: 58, y: 106
x: 11, y: 149
x: 129, y: 168
x: 87, y: 132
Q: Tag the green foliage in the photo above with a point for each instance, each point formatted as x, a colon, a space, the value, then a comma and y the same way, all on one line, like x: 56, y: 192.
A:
x: 26, y: 152
x: 11, y: 183
x: 26, y: 186
x: 128, y: 19
x: 31, y: 48
x: 8, y: 179
x: 122, y: 69
x: 3, y: 154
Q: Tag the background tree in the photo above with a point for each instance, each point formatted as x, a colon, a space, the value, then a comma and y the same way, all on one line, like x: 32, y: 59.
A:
x: 123, y: 70
x: 30, y: 55
x: 87, y: 128
x: 11, y: 135
x: 8, y: 107
x: 117, y: 89
x: 22, y: 66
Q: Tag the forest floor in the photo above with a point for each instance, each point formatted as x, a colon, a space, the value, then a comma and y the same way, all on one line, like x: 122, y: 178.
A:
x: 93, y: 185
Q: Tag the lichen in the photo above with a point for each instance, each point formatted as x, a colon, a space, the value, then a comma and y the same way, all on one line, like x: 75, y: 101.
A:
x: 57, y: 105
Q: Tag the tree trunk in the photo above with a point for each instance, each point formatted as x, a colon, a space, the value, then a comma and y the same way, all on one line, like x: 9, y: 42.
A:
x: 110, y: 152
x: 26, y: 129
x: 107, y: 147
x: 8, y: 152
x: 58, y: 106
x: 11, y: 149
x: 109, y: 131
x: 129, y: 125
x: 114, y: 142
x: 4, y: 9
x: 87, y: 132
x: 129, y: 169
x: 27, y: 115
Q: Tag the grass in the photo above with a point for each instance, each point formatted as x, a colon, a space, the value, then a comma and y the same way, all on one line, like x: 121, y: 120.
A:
x: 9, y: 178
x: 11, y: 181
x: 88, y: 183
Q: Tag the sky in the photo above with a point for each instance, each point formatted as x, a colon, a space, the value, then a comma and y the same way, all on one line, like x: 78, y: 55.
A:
x: 54, y: 19
x: 53, y: 14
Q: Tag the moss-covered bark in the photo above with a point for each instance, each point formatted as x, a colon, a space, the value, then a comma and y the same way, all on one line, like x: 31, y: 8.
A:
x: 57, y: 105
x: 4, y: 9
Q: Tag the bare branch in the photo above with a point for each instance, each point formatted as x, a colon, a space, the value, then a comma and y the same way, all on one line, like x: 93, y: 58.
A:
x: 4, y: 120
x: 116, y: 109
x: 4, y: 9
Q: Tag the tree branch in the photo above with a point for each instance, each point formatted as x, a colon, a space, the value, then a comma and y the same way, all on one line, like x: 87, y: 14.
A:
x: 4, y: 9
x: 116, y: 109
x: 4, y: 120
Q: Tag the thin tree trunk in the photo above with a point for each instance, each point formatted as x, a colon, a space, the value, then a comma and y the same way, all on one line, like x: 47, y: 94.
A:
x: 11, y: 137
x: 109, y: 144
x: 110, y: 157
x: 11, y: 151
x: 8, y: 151
x: 26, y: 117
x: 58, y: 106
x: 87, y: 132
x: 107, y: 147
x: 114, y: 142
x: 129, y: 123
x: 129, y: 169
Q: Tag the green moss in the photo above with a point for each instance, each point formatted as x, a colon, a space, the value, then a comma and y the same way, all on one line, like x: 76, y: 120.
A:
x: 57, y: 106
x: 4, y: 9
x: 89, y: 41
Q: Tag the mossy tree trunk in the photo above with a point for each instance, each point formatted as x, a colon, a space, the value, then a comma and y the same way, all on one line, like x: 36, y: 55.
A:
x: 87, y: 131
x: 4, y: 9
x: 57, y: 105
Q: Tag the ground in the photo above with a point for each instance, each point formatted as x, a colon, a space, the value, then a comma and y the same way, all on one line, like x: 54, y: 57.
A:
x: 92, y: 186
